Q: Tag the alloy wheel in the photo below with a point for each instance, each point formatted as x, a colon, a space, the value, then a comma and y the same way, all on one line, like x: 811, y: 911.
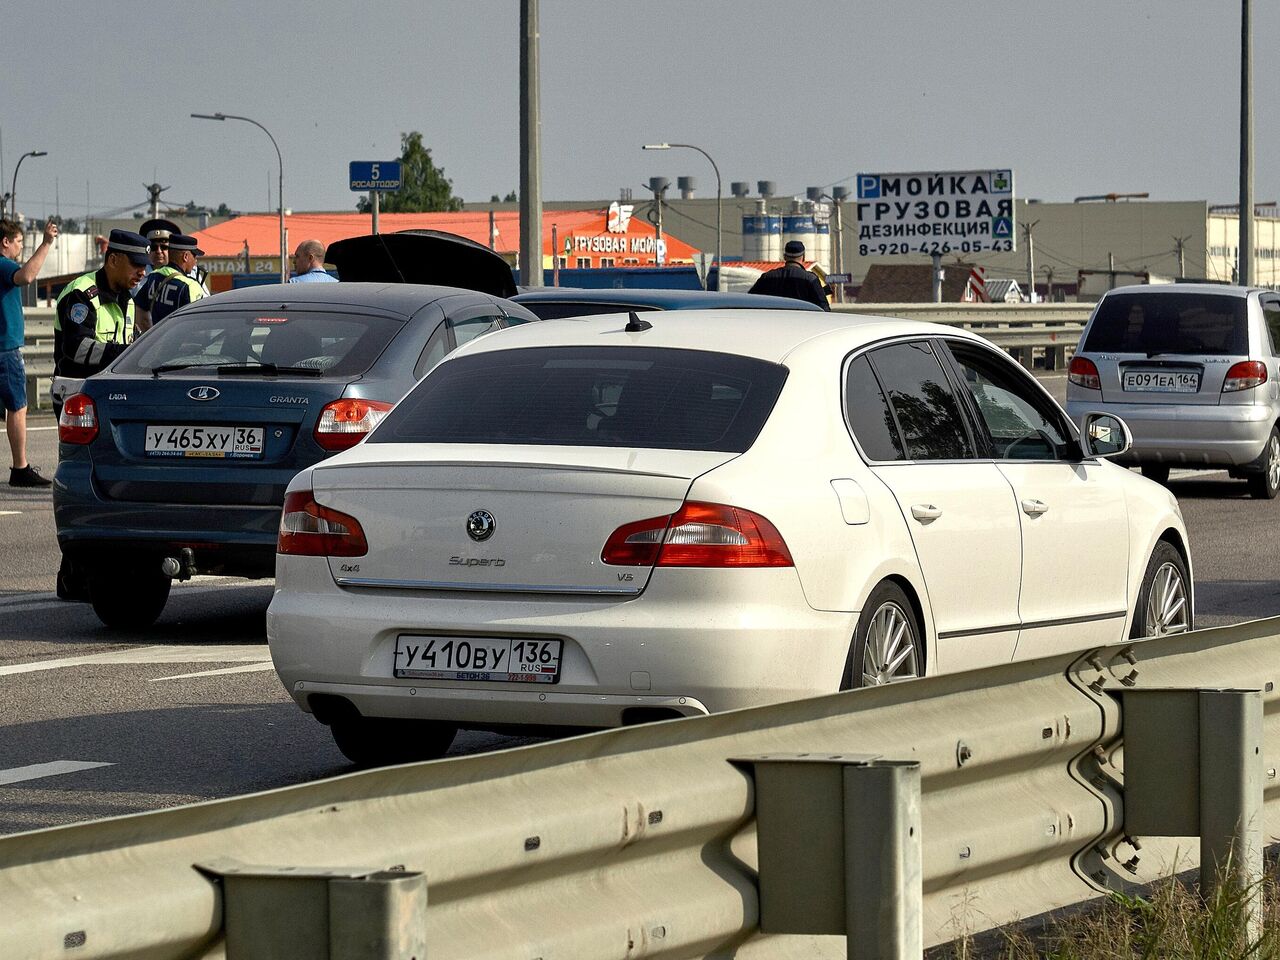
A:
x: 1167, y: 610
x: 889, y: 653
x: 1273, y: 461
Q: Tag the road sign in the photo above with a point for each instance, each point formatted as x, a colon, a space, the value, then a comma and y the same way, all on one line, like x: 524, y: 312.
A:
x: 369, y: 175
x: 965, y: 211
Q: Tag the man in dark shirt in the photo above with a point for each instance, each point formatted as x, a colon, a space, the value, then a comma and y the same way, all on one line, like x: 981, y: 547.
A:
x: 792, y: 279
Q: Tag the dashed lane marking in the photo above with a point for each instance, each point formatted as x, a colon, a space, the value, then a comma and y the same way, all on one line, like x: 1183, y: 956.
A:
x: 34, y: 601
x: 255, y: 654
x: 243, y: 668
x: 53, y: 768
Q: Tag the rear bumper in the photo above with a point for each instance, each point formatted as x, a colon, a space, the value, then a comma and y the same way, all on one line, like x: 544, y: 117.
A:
x: 694, y: 642
x: 227, y: 539
x: 1229, y: 435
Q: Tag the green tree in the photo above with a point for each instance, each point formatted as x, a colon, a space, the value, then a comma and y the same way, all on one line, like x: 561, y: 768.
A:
x: 423, y: 185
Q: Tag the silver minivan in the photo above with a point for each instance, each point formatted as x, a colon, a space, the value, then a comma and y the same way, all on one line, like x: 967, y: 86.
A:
x: 1194, y: 371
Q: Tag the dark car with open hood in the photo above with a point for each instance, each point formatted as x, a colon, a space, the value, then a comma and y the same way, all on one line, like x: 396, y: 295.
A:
x: 174, y: 460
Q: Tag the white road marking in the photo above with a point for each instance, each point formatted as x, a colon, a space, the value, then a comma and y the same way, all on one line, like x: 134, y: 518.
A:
x: 10, y: 513
x: 36, y: 429
x: 51, y: 769
x: 243, y: 668
x: 233, y: 653
x: 48, y: 599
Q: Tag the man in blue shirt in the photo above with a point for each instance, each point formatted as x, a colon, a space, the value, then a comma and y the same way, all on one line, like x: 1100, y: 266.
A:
x: 308, y: 264
x: 13, y: 374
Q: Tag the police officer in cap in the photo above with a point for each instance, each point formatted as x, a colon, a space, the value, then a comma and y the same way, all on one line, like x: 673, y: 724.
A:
x: 157, y: 232
x: 180, y: 287
x: 95, y: 315
x: 792, y: 279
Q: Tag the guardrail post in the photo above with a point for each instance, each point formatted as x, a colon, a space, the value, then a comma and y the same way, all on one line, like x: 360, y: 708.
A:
x: 839, y: 847
x: 276, y: 913
x: 1193, y: 767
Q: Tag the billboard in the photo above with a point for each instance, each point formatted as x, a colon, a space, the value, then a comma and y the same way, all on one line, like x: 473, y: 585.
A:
x: 939, y: 212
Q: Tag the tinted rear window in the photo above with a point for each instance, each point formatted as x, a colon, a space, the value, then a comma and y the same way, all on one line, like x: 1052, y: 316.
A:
x: 337, y: 344
x: 591, y: 397
x: 1154, y: 323
x: 560, y: 309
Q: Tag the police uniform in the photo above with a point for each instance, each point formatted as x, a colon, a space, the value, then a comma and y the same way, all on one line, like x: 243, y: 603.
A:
x: 177, y: 289
x: 94, y: 323
x: 792, y: 279
x: 157, y: 232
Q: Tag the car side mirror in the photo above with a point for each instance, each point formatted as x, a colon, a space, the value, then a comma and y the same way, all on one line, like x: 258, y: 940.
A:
x: 1104, y: 435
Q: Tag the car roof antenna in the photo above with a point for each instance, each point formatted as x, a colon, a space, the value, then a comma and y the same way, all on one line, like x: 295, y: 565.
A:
x: 636, y: 325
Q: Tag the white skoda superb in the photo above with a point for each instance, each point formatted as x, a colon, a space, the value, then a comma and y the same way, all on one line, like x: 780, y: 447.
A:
x: 588, y: 523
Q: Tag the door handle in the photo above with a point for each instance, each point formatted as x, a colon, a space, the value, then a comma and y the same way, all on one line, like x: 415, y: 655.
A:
x: 925, y: 512
x: 1033, y: 508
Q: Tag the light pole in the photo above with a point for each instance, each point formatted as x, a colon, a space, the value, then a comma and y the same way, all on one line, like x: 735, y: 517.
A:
x: 13, y: 192
x: 284, y: 257
x: 690, y: 146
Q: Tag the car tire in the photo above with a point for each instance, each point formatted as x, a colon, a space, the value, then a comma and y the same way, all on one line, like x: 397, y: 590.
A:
x: 886, y: 644
x: 126, y: 598
x: 1159, y: 472
x: 385, y: 741
x: 1164, y: 600
x: 1265, y: 484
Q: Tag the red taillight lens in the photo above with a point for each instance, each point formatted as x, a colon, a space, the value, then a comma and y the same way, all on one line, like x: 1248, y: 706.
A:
x: 699, y: 535
x: 308, y: 529
x: 1083, y: 373
x: 1245, y: 375
x: 78, y: 422
x: 344, y: 423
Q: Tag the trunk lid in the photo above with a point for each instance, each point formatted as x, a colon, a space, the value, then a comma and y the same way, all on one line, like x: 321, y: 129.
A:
x: 551, y: 508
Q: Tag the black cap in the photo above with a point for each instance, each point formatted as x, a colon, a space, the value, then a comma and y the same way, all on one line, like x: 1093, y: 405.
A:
x: 158, y: 229
x: 794, y: 248
x: 180, y: 241
x: 132, y: 245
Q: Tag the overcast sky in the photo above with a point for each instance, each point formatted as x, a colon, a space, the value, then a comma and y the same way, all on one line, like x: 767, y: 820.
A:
x: 1078, y: 98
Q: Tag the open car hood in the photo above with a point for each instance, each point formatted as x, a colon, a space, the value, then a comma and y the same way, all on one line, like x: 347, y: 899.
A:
x: 422, y: 256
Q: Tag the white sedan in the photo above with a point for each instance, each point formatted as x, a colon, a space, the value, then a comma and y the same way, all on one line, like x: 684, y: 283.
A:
x: 595, y: 522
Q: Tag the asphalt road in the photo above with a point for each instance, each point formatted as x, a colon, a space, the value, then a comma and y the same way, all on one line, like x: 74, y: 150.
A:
x: 96, y: 723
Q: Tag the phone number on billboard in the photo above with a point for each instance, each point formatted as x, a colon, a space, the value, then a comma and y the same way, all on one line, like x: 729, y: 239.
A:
x: 929, y: 247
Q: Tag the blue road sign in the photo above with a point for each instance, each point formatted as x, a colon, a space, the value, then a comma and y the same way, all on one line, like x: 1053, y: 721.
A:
x: 868, y: 187
x: 1002, y: 227
x: 369, y: 175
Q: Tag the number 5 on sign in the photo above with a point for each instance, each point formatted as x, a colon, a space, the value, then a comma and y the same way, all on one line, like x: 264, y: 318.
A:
x: 373, y: 173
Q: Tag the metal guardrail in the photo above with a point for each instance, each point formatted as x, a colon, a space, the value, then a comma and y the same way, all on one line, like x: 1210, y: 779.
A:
x: 1048, y: 332
x: 643, y: 841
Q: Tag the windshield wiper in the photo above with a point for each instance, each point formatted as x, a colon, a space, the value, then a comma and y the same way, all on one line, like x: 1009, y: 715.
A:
x: 253, y: 366
x: 166, y: 367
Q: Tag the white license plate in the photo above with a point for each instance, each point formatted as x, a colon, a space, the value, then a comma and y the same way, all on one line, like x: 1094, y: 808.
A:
x: 213, y: 442
x: 1161, y: 381
x: 500, y: 659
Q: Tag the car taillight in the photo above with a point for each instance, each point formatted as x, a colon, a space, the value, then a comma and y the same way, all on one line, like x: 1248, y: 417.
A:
x: 78, y: 422
x: 344, y: 423
x: 1083, y: 373
x: 1245, y: 375
x: 699, y: 535
x: 308, y: 529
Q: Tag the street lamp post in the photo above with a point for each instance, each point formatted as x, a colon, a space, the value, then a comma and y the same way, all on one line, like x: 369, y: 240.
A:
x: 690, y: 146
x: 284, y: 258
x: 13, y: 191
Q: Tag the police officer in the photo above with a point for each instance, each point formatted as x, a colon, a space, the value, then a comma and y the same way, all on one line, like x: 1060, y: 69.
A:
x: 95, y: 315
x: 792, y: 279
x: 180, y: 287
x: 157, y: 232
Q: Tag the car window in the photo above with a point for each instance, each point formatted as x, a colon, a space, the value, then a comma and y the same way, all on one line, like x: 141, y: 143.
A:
x: 1152, y: 323
x: 336, y: 344
x: 868, y: 413
x: 924, y: 408
x: 591, y: 396
x: 1019, y: 422
x: 469, y: 328
x: 1271, y: 313
x: 435, y: 350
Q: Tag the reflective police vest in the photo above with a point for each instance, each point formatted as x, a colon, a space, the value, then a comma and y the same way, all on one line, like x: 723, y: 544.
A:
x: 112, y: 323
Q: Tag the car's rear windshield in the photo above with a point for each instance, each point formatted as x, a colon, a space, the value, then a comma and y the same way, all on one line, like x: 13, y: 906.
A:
x: 560, y: 309
x: 1152, y: 323
x: 591, y: 396
x: 327, y: 344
